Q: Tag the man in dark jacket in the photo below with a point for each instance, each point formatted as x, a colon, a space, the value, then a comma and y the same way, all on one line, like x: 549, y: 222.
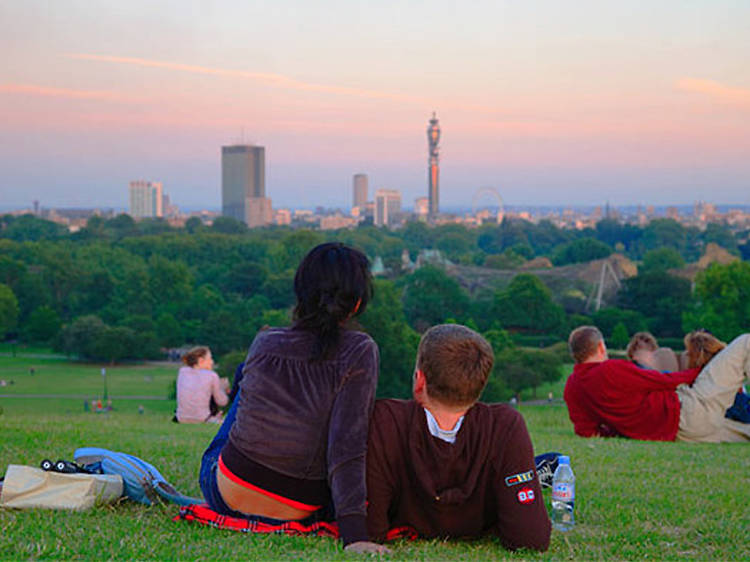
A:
x: 445, y: 465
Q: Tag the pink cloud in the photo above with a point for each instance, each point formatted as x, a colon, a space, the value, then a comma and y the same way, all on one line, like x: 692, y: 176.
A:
x: 270, y: 79
x: 45, y: 91
x: 717, y: 90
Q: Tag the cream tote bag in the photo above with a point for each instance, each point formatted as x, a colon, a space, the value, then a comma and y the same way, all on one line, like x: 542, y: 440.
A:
x: 26, y: 486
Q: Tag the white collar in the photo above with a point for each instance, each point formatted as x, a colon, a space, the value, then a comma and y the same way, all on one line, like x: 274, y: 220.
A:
x: 447, y: 435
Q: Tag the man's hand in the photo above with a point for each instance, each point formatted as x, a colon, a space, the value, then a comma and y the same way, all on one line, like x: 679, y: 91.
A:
x: 367, y: 547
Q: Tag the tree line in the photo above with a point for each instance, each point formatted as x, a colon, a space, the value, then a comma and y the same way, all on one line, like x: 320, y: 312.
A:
x: 119, y: 289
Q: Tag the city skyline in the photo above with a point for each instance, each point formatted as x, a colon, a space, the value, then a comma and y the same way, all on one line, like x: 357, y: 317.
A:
x: 549, y: 103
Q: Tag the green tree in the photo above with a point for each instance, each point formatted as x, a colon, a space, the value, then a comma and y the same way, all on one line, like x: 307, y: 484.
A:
x: 30, y: 228
x: 722, y: 301
x: 607, y: 318
x: 386, y: 323
x: 168, y: 331
x: 113, y: 344
x: 612, y: 232
x: 246, y: 278
x: 720, y: 234
x: 222, y: 332
x: 193, y: 225
x: 170, y: 282
x: 670, y: 233
x: 661, y: 260
x: 522, y: 369
x: 581, y: 250
x: 527, y: 305
x: 658, y: 296
x: 499, y: 339
x: 42, y: 325
x: 121, y: 226
x: 455, y: 241
x: 620, y: 337
x: 431, y: 296
x: 8, y: 310
x: 228, y: 225
x: 508, y: 259
x: 79, y: 336
x: 279, y: 289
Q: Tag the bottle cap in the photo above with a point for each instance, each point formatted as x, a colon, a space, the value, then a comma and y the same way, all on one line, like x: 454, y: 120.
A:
x: 563, y: 459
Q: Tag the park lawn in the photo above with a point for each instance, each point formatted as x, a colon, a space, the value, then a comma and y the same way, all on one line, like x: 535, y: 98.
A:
x: 57, y: 375
x: 634, y: 499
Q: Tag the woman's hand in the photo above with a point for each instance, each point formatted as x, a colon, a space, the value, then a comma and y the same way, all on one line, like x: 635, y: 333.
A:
x: 367, y: 547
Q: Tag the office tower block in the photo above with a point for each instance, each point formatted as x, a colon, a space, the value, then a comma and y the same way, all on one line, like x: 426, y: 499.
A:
x: 387, y: 207
x: 433, y: 167
x: 243, y: 184
x: 359, y: 189
x: 145, y: 199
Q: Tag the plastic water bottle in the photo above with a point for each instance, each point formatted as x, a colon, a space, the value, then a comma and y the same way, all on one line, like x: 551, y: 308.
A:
x: 563, y: 495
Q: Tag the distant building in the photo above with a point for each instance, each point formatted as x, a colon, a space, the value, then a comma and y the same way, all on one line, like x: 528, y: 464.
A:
x: 387, y: 207
x: 258, y: 211
x: 359, y: 190
x: 243, y: 184
x: 421, y: 207
x: 146, y: 199
x: 433, y: 166
x: 336, y: 222
x: 282, y: 217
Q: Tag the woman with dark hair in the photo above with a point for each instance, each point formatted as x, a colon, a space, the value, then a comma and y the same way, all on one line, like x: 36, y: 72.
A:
x: 293, y: 444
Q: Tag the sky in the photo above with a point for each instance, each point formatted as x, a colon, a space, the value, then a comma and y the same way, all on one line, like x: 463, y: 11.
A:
x: 548, y: 102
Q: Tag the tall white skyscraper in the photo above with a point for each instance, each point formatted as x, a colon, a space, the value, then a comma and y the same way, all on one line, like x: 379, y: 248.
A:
x: 387, y: 207
x: 145, y: 199
x: 359, y: 190
x: 243, y: 184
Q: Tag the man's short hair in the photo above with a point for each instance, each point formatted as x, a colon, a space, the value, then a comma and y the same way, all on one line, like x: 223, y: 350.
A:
x: 641, y: 340
x: 583, y: 341
x: 456, y: 363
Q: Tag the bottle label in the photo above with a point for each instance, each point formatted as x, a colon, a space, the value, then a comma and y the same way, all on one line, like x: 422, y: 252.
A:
x: 563, y: 491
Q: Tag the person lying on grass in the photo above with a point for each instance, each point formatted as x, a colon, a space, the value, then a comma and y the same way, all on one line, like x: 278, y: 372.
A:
x: 613, y: 397
x: 700, y: 347
x: 446, y: 465
x: 646, y: 353
x: 293, y: 444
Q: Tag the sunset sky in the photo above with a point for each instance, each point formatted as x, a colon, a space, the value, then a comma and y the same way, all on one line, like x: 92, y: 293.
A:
x: 549, y: 102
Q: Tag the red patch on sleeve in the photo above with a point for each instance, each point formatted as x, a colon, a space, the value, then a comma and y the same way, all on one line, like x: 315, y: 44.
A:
x: 526, y: 495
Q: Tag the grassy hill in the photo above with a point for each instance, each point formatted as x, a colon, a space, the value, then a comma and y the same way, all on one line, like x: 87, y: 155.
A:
x: 635, y: 500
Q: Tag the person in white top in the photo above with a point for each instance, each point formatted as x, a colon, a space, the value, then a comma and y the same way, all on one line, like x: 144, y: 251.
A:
x: 197, y: 383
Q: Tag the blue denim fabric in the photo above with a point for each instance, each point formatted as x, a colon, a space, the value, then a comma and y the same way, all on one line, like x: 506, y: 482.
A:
x: 210, y: 462
x: 209, y: 466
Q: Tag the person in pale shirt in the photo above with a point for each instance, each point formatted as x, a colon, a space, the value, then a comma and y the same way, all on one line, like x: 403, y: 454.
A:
x: 197, y: 383
x: 646, y: 353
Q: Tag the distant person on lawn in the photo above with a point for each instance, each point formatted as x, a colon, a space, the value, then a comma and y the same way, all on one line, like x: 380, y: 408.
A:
x: 197, y: 385
x: 446, y: 465
x: 613, y: 397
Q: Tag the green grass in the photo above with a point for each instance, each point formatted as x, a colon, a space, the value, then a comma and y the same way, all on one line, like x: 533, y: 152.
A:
x: 635, y: 499
x: 63, y: 377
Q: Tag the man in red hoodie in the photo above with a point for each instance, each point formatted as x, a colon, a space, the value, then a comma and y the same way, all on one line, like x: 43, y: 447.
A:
x: 613, y: 397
